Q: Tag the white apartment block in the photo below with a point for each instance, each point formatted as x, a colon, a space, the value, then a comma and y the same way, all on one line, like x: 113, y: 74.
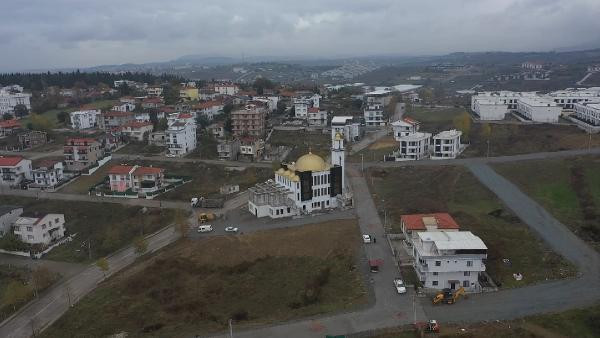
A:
x: 154, y: 91
x: 451, y: 260
x: 317, y: 117
x: 413, y: 147
x: 446, y: 145
x: 568, y: 97
x: 42, y: 230
x: 489, y: 110
x: 373, y: 114
x: 14, y: 170
x: 9, y: 99
x: 84, y: 119
x: 405, y: 127
x: 48, y: 174
x: 181, y: 134
x: 227, y: 89
x: 347, y: 126
x: 588, y: 112
x: 301, y: 108
x: 538, y: 109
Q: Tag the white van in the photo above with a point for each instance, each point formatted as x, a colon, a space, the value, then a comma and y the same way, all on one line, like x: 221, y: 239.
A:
x: 205, y: 228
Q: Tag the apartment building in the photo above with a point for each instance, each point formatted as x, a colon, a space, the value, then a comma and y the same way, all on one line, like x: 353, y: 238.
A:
x: 154, y: 91
x: 250, y: 120
x: 489, y: 110
x: 40, y: 230
x: 414, y: 146
x: 8, y: 127
x: 180, y: 134
x: 588, y: 112
x: 47, y: 174
x: 14, y: 170
x: 114, y: 119
x: 445, y: 259
x: 317, y: 117
x: 373, y: 114
x: 82, y: 153
x: 569, y: 97
x: 10, y: 97
x: 84, y: 119
x: 251, y: 148
x: 32, y: 138
x: 226, y: 88
x: 405, y: 127
x: 228, y: 149
x: 137, y: 131
x: 350, y: 127
x: 446, y: 145
x: 411, y: 225
x: 539, y: 109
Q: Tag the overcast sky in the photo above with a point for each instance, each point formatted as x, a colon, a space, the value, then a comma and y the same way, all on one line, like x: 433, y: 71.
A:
x: 73, y: 33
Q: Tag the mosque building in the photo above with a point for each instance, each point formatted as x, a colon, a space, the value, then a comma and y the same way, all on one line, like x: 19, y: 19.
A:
x: 302, y: 187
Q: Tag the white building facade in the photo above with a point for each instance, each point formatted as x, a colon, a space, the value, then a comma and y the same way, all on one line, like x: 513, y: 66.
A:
x: 446, y: 145
x: 14, y: 170
x: 404, y: 128
x: 539, y: 110
x: 588, y: 112
x: 84, y: 119
x: 9, y: 99
x: 181, y: 134
x: 413, y: 147
x: 42, y: 230
x: 48, y: 174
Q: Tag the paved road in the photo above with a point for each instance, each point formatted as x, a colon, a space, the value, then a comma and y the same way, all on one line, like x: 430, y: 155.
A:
x: 545, y: 297
x: 65, y: 269
x: 43, y: 311
x: 191, y: 160
x: 368, y: 140
x: 32, y: 155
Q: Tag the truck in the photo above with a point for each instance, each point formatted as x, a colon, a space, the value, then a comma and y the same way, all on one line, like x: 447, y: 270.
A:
x: 201, y: 202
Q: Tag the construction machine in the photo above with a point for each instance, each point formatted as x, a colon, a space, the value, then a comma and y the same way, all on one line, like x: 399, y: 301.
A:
x: 448, y: 297
x: 205, y: 217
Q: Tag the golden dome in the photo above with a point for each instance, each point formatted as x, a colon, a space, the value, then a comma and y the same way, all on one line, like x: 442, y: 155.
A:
x: 338, y: 137
x: 296, y: 178
x: 310, y: 162
x: 288, y: 173
x: 280, y: 171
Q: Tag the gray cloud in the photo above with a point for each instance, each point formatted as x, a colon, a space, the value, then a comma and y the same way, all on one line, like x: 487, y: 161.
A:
x: 62, y: 33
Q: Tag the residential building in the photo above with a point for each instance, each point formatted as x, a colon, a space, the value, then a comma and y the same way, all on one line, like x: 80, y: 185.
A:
x: 8, y: 127
x: 136, y: 178
x: 189, y: 93
x: 381, y: 96
x: 217, y: 130
x: 125, y: 107
x: 445, y: 259
x: 229, y: 149
x: 82, y: 153
x: 152, y: 103
x: 226, y: 88
x: 10, y: 98
x: 129, y: 83
x: 302, y: 187
x: 538, y: 109
x: 208, y: 109
x: 317, y: 117
x: 489, y: 110
x: 47, y: 174
x: 84, y: 119
x: 588, y: 112
x: 8, y: 216
x: 446, y: 145
x: 206, y: 94
x: 154, y: 91
x: 271, y: 101
x: 414, y: 146
x: 569, y: 97
x: 32, y: 138
x: 303, y: 102
x: 411, y: 225
x: 250, y: 120
x: 405, y: 127
x: 40, y: 230
x: 348, y: 126
x: 14, y: 170
x: 532, y: 65
x: 181, y: 134
x: 251, y: 148
x: 114, y: 119
x: 137, y: 131
x: 157, y: 138
x: 373, y: 114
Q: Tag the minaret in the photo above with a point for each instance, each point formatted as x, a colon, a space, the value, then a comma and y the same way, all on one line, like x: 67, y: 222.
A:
x: 338, y: 156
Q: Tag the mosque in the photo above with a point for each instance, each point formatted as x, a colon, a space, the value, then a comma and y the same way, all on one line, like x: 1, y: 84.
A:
x: 302, y: 187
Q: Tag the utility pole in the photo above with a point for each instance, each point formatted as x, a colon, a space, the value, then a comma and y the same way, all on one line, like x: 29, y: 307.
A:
x: 414, y: 309
x: 362, y: 163
x: 90, y: 249
x: 488, y: 148
x: 230, y: 329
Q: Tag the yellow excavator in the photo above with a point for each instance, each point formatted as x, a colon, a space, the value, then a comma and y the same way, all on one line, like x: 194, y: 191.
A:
x: 448, y: 297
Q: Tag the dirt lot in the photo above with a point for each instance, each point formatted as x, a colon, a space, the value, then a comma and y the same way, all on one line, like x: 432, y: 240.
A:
x: 568, y: 188
x: 377, y: 150
x: 194, y: 287
x: 301, y: 142
x: 454, y: 190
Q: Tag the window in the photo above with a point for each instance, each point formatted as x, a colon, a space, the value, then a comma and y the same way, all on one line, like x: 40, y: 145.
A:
x: 467, y: 273
x: 434, y: 283
x: 469, y: 263
x: 435, y: 273
x: 438, y: 263
x: 30, y: 237
x: 466, y: 283
x: 30, y: 229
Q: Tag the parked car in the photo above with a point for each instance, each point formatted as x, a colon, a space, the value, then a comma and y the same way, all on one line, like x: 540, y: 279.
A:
x: 399, y: 284
x: 231, y: 229
x: 171, y: 155
x: 367, y: 239
x: 205, y: 228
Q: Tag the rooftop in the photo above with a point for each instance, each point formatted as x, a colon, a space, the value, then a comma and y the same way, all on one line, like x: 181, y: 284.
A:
x: 9, y: 161
x: 120, y: 170
x: 456, y: 240
x: 453, y: 133
x: 422, y: 221
x: 148, y: 171
x: 415, y: 136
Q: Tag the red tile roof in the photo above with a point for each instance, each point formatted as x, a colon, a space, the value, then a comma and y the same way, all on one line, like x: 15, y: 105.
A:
x: 313, y: 110
x: 411, y: 121
x: 137, y: 124
x: 415, y: 222
x: 116, y: 113
x: 10, y: 161
x: 147, y: 171
x: 46, y: 163
x: 120, y: 170
x: 10, y: 124
x: 185, y: 116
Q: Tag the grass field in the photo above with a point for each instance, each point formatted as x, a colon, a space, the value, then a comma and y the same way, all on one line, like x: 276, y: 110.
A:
x: 301, y: 142
x: 52, y: 114
x: 207, y: 148
x: 206, y: 179
x: 139, y: 148
x: 580, y: 323
x: 195, y: 286
x: 567, y: 188
x: 434, y: 120
x: 376, y: 151
x: 109, y: 226
x: 454, y: 190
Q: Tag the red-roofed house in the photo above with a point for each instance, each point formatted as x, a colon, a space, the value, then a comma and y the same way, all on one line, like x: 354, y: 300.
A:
x: 14, y: 170
x: 47, y: 174
x: 115, y: 118
x: 317, y: 117
x: 137, y: 131
x: 9, y: 126
x: 152, y: 102
x: 413, y: 224
x: 139, y: 179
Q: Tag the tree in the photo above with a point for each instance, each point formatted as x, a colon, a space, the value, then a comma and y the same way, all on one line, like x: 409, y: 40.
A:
x: 261, y: 83
x: 281, y: 107
x: 102, y: 264
x: 63, y: 117
x: 426, y: 95
x: 202, y: 121
x: 41, y: 278
x: 463, y: 123
x: 21, y: 110
x: 141, y: 245
x: 162, y: 124
x: 15, y: 293
x: 40, y: 122
x: 171, y: 94
x: 227, y: 108
x: 7, y: 116
x: 124, y: 89
x: 181, y: 223
x: 228, y: 125
x: 486, y: 131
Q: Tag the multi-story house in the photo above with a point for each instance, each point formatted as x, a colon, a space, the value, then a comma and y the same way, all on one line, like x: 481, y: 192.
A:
x: 8, y: 216
x: 317, y: 117
x: 82, y: 153
x: 446, y: 145
x: 84, y: 119
x: 8, y: 127
x: 32, y: 138
x: 405, y: 127
x: 445, y: 259
x: 217, y: 130
x: 350, y: 127
x: 137, y: 131
x: 373, y: 114
x: 14, y: 170
x: 209, y: 109
x: 189, y: 93
x: 250, y: 120
x: 588, y: 112
x: 139, y: 179
x: 228, y: 149
x: 40, y: 230
x: 10, y: 98
x: 411, y: 225
x: 181, y: 134
x: 114, y: 119
x: 157, y: 138
x: 251, y: 148
x: 154, y: 91
x: 152, y: 103
x: 226, y: 88
x: 414, y: 146
x: 47, y: 174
